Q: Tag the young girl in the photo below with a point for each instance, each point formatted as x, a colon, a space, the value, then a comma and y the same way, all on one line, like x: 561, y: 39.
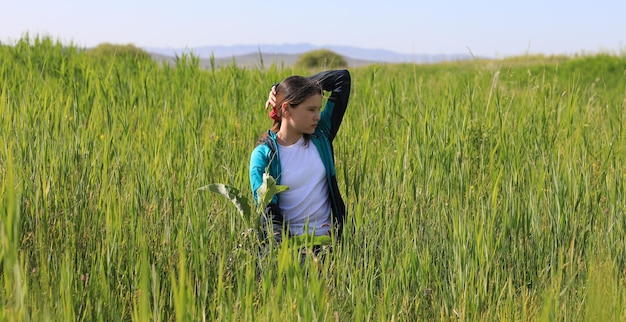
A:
x: 298, y: 150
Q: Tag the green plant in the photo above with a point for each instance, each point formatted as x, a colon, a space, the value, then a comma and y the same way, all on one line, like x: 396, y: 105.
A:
x: 266, y: 192
x: 106, y: 51
x: 322, y: 58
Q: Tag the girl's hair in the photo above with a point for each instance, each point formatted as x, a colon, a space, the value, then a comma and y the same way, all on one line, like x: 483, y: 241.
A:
x: 293, y: 90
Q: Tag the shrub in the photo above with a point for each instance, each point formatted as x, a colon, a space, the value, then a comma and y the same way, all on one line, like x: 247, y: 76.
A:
x: 107, y: 51
x: 322, y: 58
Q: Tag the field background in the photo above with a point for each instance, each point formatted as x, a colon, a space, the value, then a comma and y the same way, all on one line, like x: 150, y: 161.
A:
x: 476, y: 190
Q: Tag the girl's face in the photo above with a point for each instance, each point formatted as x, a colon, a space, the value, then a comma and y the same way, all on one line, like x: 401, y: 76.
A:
x: 303, y: 117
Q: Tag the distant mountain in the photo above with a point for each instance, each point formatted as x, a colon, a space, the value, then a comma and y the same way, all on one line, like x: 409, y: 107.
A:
x: 359, y: 54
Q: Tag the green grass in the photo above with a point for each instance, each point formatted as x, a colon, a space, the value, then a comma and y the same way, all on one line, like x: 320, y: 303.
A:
x: 477, y: 190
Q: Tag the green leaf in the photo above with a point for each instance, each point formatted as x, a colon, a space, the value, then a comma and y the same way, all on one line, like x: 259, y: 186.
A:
x: 267, y: 191
x: 234, y: 195
x: 308, y: 240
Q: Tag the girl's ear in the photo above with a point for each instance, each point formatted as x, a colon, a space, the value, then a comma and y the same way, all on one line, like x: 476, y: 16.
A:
x: 285, y: 108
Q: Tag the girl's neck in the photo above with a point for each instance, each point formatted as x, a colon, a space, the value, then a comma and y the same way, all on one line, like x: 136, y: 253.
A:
x: 285, y: 138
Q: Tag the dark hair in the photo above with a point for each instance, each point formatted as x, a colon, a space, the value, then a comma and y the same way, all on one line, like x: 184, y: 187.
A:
x: 294, y: 90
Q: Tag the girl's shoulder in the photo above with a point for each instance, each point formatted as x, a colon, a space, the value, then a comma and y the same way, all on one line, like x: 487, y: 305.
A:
x: 264, y: 148
x: 261, y: 147
x: 268, y: 140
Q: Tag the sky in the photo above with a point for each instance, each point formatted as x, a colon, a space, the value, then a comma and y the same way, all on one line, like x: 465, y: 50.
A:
x: 492, y: 28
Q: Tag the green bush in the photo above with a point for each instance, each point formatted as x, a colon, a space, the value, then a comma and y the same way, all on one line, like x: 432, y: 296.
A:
x: 322, y: 58
x: 107, y: 51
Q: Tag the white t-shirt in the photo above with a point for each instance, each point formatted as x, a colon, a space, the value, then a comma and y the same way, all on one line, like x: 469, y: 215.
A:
x: 306, y: 201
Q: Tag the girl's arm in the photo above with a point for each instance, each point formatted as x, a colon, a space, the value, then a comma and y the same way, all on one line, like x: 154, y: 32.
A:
x: 338, y: 83
x: 259, y: 161
x: 272, y: 217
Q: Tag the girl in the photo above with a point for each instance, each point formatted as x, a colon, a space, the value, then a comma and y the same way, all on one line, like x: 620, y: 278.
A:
x: 298, y: 152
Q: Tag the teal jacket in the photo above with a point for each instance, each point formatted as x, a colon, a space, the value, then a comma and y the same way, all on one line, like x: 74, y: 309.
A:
x: 266, y: 153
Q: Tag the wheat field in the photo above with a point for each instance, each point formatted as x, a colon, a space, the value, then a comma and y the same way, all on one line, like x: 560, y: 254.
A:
x: 476, y: 190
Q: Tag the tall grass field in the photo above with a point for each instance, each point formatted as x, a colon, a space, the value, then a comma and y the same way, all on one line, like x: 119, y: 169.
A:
x: 482, y: 190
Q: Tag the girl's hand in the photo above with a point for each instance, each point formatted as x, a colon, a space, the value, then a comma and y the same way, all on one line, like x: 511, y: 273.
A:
x: 271, y: 99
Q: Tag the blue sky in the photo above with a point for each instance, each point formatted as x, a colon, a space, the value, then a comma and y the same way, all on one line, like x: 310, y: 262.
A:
x: 494, y: 28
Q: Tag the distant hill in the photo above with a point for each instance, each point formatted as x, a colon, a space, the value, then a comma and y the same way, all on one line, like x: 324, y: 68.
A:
x: 254, y: 60
x: 287, y: 54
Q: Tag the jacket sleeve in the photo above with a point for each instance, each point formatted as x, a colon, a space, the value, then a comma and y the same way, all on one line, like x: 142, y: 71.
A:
x: 337, y: 82
x: 271, y: 219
